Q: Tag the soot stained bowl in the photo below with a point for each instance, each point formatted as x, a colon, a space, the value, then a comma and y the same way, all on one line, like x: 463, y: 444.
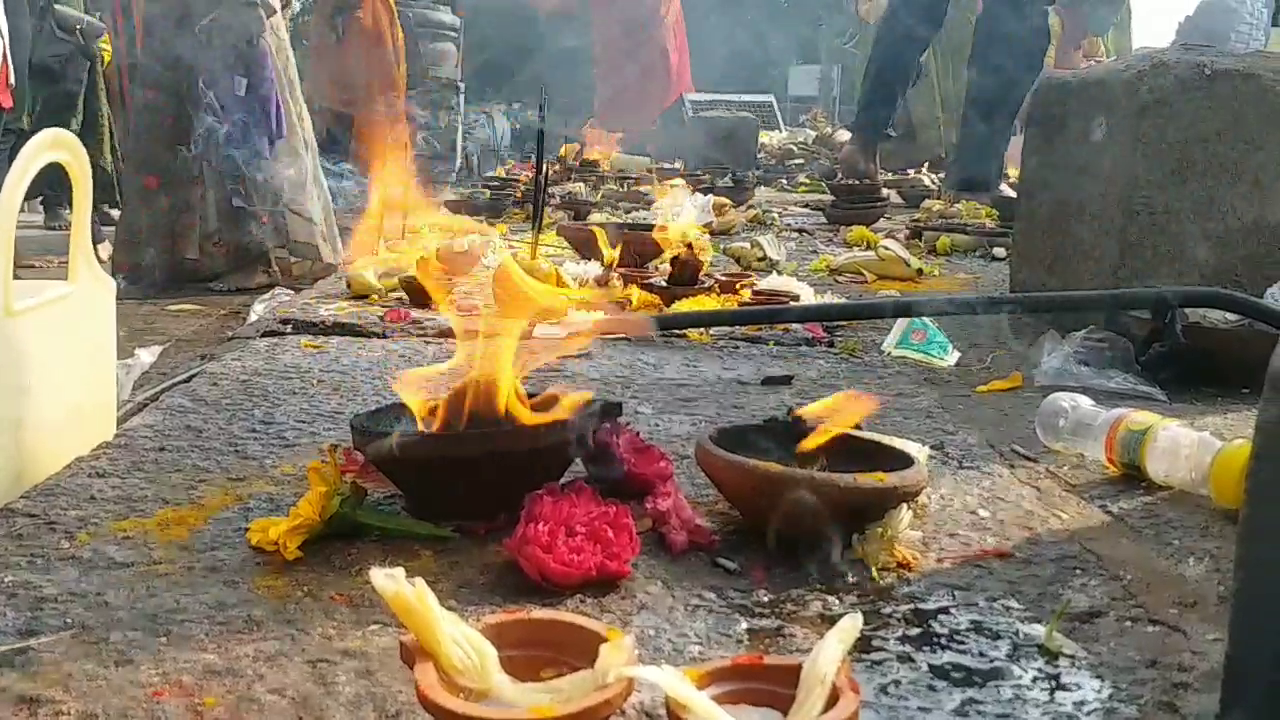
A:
x: 638, y: 247
x: 864, y: 475
x: 855, y: 213
x: 472, y: 475
x: 532, y: 645
x: 856, y: 189
x: 770, y: 682
x: 671, y: 294
x: 730, y: 283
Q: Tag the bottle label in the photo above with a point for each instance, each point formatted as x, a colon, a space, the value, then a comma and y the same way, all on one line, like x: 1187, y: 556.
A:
x: 1127, y: 441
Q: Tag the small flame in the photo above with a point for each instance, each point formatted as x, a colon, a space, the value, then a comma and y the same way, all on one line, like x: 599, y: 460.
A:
x: 599, y: 145
x: 486, y: 293
x: 677, y: 225
x: 835, y: 415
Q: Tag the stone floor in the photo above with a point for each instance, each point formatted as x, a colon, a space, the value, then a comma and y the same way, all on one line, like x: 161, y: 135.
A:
x: 132, y: 563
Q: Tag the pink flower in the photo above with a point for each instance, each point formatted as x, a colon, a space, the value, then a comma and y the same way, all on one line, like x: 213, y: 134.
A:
x: 356, y: 466
x: 646, y: 466
x: 650, y: 473
x: 397, y: 316
x: 570, y: 537
x: 680, y: 526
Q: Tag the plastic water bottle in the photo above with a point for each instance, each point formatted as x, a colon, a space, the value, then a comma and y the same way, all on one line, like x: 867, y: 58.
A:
x: 1147, y: 445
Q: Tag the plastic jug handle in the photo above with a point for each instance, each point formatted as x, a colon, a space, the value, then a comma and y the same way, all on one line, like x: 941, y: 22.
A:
x: 52, y: 145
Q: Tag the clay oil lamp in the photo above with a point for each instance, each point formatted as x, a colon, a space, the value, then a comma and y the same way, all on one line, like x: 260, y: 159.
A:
x: 685, y: 279
x: 731, y: 283
x: 467, y: 441
x: 634, y: 242
x: 766, y: 684
x: 815, y: 472
x: 532, y: 647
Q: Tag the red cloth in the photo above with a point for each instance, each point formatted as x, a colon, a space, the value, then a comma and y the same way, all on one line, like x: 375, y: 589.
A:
x: 641, y: 61
x: 6, y: 92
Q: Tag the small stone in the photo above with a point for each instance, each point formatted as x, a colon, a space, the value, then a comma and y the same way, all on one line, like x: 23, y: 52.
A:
x: 727, y: 565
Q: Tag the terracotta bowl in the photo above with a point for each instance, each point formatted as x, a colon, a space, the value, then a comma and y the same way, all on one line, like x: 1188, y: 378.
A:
x: 532, y: 645
x: 729, y: 283
x: 473, y: 475
x: 415, y: 291
x: 671, y: 294
x: 754, y: 468
x: 579, y: 210
x: 778, y: 297
x: 636, y: 276
x: 856, y: 189
x: 770, y: 682
x: 867, y: 214
x: 757, y: 301
x: 636, y: 240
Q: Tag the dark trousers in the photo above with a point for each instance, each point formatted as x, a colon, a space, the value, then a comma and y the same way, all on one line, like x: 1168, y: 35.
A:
x: 1009, y: 43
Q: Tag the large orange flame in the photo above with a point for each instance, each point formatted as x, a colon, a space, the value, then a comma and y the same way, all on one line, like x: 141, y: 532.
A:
x: 479, y: 285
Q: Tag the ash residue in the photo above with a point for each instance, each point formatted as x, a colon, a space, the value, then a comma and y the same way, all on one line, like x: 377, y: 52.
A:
x: 943, y: 657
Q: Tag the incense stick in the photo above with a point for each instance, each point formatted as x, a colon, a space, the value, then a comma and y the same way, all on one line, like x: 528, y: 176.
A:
x: 539, y: 181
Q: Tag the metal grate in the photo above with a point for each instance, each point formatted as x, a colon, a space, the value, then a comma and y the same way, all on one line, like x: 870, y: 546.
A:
x: 763, y: 107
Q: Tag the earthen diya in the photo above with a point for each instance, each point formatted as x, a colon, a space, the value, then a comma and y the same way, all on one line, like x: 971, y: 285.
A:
x: 533, y: 645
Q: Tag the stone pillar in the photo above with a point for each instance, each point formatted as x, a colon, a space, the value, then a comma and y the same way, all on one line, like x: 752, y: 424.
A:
x: 1158, y: 169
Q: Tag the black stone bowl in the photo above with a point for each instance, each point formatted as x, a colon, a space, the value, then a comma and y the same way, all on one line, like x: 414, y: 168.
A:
x: 915, y: 197
x: 739, y: 193
x: 489, y: 208
x: 468, y: 476
x: 855, y: 213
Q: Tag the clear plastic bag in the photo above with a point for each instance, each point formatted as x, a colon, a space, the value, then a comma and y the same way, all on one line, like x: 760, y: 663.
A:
x: 1091, y: 358
x: 130, y: 369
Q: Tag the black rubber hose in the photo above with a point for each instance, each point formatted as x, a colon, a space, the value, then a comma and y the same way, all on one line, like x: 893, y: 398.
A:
x: 1253, y: 308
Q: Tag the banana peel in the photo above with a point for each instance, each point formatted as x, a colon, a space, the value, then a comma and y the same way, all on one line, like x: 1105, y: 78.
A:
x: 888, y: 260
x: 730, y: 223
x: 761, y: 252
x: 378, y: 275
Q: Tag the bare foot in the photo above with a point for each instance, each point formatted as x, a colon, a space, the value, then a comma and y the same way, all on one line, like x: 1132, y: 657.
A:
x: 1004, y: 192
x: 859, y: 161
x: 250, y: 278
x: 103, y: 250
x: 55, y: 218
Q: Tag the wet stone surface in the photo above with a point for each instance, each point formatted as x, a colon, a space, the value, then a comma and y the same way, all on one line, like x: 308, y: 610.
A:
x: 137, y: 551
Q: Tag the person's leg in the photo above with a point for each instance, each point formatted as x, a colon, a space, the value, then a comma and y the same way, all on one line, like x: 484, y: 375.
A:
x: 903, y: 35
x: 1009, y: 44
x: 55, y: 199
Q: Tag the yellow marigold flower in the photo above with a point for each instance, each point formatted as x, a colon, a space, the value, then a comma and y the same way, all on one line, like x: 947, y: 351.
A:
x: 286, y: 535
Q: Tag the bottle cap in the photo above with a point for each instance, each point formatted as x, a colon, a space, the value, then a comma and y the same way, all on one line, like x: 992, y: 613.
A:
x: 1227, y: 474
